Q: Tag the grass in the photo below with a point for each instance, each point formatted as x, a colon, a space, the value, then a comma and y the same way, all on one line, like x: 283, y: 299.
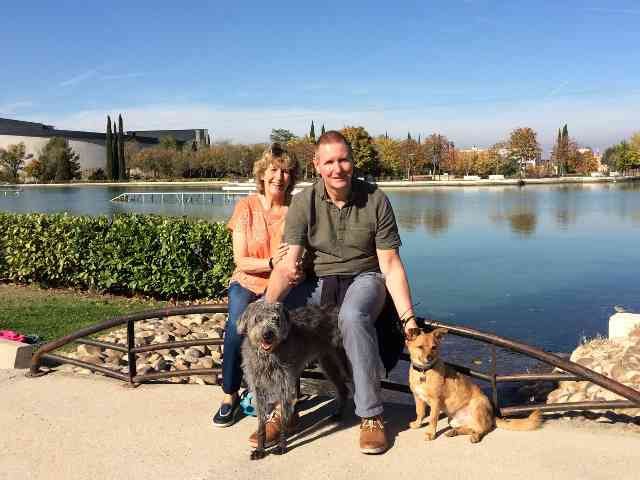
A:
x: 52, y: 313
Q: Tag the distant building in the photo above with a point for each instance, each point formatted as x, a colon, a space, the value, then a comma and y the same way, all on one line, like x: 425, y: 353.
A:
x: 90, y: 146
x: 193, y: 138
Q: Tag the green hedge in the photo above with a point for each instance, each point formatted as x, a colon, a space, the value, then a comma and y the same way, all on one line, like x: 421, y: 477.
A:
x: 160, y: 256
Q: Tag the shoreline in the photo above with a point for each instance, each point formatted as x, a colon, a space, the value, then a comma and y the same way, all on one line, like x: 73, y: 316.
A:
x: 392, y: 184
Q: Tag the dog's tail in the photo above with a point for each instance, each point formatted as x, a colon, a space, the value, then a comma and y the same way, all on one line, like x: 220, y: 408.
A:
x: 532, y: 422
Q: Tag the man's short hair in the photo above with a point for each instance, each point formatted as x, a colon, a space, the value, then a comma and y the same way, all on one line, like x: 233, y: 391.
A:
x: 333, y: 136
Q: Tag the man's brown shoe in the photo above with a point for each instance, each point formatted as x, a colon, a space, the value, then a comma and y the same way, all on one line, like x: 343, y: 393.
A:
x: 373, y: 439
x: 273, y: 427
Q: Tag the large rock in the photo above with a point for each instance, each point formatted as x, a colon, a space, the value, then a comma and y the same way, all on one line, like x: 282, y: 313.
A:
x: 15, y: 354
x: 617, y: 358
x: 622, y: 324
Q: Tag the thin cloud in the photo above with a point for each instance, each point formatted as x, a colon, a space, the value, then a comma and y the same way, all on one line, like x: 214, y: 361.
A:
x: 78, y: 78
x: 122, y: 76
x: 558, y: 89
x: 616, y: 11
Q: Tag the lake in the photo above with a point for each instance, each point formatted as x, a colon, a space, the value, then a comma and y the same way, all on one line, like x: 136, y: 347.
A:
x: 542, y: 264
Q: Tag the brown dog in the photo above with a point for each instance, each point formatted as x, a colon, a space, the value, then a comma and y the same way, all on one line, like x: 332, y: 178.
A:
x: 444, y: 389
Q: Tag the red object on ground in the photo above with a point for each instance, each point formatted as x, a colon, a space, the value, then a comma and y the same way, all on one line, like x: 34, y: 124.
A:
x: 11, y: 335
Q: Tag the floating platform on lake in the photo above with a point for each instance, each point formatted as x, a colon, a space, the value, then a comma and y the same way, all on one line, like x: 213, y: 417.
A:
x: 10, y: 191
x: 176, y: 197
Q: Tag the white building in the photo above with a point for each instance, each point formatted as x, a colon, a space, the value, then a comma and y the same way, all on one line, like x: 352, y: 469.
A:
x: 90, y: 146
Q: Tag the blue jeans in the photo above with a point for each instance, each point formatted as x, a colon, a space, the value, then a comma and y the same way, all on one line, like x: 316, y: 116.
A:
x: 359, y: 311
x: 239, y: 298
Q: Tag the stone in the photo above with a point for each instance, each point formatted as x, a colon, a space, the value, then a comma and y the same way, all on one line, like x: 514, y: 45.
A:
x: 161, y: 338
x: 89, y: 350
x: 220, y: 318
x: 194, y: 352
x: 206, y: 362
x: 181, y: 331
x: 181, y: 364
x: 15, y: 354
x: 95, y: 359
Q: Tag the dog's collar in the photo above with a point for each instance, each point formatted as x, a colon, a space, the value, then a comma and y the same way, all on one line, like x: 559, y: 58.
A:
x: 424, y: 368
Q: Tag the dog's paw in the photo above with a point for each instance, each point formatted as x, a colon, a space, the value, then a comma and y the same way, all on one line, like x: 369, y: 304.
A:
x: 429, y: 436
x: 452, y: 433
x: 258, y: 454
x: 415, y: 424
x: 279, y: 450
x: 475, y: 438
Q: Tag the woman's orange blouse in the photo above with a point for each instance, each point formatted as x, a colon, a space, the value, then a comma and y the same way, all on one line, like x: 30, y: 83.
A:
x: 262, y: 232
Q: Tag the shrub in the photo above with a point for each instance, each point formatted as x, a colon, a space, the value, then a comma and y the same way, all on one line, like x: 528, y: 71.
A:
x: 159, y: 256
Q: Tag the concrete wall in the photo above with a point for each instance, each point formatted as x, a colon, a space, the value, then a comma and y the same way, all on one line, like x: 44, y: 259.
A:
x: 92, y: 152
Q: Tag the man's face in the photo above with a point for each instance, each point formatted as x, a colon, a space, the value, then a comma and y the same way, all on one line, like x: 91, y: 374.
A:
x: 333, y: 165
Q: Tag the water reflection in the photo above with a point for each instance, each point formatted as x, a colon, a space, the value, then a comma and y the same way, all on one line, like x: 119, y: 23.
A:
x: 438, y: 214
x: 518, y: 208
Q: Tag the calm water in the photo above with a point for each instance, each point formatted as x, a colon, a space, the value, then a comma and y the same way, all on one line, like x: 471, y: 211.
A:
x: 543, y: 264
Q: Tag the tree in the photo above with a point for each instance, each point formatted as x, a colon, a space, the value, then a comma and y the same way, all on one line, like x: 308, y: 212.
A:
x: 389, y: 154
x: 322, y: 131
x: 13, y: 160
x: 58, y: 161
x: 436, y: 150
x: 281, y: 136
x: 312, y: 132
x: 168, y: 143
x: 365, y: 156
x: 108, y: 143
x: 524, y: 146
x: 34, y: 169
x: 122, y: 166
x: 303, y: 149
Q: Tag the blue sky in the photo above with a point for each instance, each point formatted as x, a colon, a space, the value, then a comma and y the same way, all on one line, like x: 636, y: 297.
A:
x: 472, y: 70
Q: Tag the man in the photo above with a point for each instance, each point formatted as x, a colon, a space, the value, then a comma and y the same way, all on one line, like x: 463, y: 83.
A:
x: 348, y: 230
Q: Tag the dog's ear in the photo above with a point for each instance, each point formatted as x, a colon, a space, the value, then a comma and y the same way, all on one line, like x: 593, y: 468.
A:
x: 247, y: 316
x: 412, y: 334
x: 438, y: 333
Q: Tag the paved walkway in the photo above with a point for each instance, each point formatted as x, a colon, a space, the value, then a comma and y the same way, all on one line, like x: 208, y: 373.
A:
x: 66, y: 426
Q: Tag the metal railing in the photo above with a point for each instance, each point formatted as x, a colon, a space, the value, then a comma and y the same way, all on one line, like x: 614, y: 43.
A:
x: 175, y: 197
x: 571, y: 371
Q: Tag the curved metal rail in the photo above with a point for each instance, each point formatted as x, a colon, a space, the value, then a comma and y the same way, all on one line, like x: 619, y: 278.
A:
x: 574, y: 371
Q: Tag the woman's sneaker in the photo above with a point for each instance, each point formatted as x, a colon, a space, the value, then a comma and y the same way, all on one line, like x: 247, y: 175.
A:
x: 226, y: 414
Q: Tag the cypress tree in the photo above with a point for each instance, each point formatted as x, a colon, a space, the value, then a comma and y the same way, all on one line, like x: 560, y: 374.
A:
x: 122, y: 167
x: 312, y: 132
x: 419, y: 139
x: 409, y: 136
x: 108, y: 143
x: 565, y: 147
x: 322, y: 131
x: 559, y: 152
x: 116, y: 161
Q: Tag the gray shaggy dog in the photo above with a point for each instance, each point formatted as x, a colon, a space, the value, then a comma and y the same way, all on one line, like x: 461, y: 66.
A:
x: 278, y: 345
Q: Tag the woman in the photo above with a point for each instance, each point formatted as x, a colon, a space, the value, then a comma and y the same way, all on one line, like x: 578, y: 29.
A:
x: 257, y: 224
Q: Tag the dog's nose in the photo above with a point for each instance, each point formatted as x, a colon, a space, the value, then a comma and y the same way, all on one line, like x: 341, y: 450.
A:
x: 268, y: 336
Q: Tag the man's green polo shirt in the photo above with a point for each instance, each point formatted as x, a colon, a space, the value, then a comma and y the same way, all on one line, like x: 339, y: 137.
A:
x: 342, y: 241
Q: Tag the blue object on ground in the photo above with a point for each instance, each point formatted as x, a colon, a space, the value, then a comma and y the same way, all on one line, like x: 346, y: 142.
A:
x: 246, y: 404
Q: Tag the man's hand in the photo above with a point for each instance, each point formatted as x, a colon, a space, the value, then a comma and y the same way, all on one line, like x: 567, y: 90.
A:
x: 286, y: 274
x: 409, y: 325
x: 280, y: 254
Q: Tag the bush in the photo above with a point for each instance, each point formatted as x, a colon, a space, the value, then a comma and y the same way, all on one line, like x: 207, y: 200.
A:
x: 98, y: 175
x: 159, y: 256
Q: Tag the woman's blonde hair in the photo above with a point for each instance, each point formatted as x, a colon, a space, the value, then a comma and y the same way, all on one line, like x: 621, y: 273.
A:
x: 279, y: 157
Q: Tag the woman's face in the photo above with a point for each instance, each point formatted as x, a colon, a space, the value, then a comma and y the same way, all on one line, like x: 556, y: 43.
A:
x: 276, y: 180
